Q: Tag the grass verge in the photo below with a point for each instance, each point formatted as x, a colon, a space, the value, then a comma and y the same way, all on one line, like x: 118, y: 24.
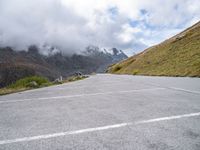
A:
x: 34, y: 82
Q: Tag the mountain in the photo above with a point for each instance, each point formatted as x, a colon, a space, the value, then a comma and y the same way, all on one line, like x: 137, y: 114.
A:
x: 177, y: 56
x: 117, y: 55
x: 15, y: 65
x: 105, y: 57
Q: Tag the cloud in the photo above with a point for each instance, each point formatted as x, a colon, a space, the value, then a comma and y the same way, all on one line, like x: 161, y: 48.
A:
x: 71, y: 25
x: 26, y: 22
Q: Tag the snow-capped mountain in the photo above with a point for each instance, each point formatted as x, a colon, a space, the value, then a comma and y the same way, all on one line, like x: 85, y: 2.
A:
x: 117, y: 55
x: 114, y: 53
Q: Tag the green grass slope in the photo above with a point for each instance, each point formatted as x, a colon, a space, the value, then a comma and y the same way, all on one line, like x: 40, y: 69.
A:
x: 34, y: 82
x: 177, y: 56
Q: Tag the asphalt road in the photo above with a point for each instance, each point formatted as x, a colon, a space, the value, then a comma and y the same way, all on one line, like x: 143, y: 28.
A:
x: 104, y: 112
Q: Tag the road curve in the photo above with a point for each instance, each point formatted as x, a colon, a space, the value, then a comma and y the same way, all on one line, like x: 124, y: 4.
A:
x: 104, y: 112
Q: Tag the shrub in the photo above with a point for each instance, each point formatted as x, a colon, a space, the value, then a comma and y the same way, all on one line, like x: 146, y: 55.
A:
x: 117, y: 68
x: 10, y: 74
x: 27, y: 82
x: 135, y: 72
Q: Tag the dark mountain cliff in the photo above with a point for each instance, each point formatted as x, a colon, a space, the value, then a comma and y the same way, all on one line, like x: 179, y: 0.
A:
x: 18, y: 64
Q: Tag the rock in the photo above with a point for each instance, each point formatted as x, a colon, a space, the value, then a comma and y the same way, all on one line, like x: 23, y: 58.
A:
x: 57, y: 81
x: 33, y: 84
x: 78, y: 73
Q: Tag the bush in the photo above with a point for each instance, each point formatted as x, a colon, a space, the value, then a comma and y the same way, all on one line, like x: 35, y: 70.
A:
x: 27, y: 82
x: 135, y: 72
x: 10, y: 74
x: 117, y: 68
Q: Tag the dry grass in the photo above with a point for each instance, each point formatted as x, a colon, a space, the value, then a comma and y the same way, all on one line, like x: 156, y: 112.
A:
x: 4, y: 91
x: 178, y: 56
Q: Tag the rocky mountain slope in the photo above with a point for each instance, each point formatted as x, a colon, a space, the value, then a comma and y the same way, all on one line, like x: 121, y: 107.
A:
x: 177, y: 56
x: 18, y: 64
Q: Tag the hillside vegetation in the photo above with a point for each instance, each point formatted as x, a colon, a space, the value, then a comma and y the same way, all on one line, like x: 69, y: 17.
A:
x: 177, y: 56
x: 34, y: 82
x: 15, y: 65
x: 25, y: 84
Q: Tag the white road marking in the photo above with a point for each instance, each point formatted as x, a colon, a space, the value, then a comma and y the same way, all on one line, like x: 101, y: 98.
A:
x: 168, y: 118
x: 105, y: 84
x: 184, y: 90
x: 47, y: 136
x: 174, y: 88
x: 60, y: 134
x: 80, y: 95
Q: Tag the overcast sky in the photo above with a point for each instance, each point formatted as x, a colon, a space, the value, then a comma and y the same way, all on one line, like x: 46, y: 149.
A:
x: 71, y: 25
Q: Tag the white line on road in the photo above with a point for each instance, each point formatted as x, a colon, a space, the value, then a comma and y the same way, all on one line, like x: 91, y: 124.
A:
x: 174, y: 88
x: 80, y: 95
x: 60, y: 134
x: 168, y: 118
x: 48, y: 136
x: 184, y: 90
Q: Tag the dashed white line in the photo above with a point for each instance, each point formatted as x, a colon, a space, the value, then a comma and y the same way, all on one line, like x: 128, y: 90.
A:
x: 60, y: 134
x: 80, y: 95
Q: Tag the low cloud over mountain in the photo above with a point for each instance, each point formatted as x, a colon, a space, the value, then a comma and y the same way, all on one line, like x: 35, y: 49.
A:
x: 72, y: 25
x: 15, y: 65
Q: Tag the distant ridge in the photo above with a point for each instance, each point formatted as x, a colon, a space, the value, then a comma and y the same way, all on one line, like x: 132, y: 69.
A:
x: 15, y: 65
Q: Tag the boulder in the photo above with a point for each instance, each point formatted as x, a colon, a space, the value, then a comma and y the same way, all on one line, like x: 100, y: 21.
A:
x: 33, y: 84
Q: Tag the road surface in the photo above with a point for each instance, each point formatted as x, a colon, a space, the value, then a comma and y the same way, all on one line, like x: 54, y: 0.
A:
x: 104, y: 112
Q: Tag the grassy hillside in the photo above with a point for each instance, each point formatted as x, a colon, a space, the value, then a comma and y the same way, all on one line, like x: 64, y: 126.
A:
x: 177, y: 56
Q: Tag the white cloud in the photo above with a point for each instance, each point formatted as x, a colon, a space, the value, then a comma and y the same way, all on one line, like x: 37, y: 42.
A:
x: 74, y: 24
